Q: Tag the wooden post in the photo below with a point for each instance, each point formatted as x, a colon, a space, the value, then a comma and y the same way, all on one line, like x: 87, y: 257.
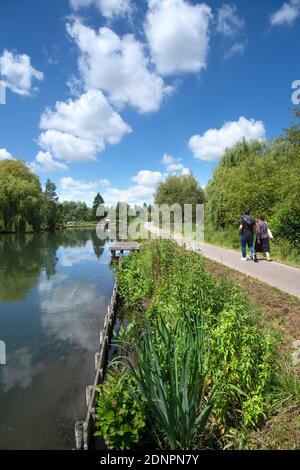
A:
x: 88, y: 394
x: 97, y: 357
x: 85, y: 436
x: 79, y: 434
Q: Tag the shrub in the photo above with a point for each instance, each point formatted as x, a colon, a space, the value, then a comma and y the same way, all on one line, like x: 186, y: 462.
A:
x: 241, y: 364
x: 286, y: 225
x: 119, y: 418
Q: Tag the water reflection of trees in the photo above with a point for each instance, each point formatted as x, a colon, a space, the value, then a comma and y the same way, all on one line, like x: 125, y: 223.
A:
x: 23, y: 256
x: 98, y: 244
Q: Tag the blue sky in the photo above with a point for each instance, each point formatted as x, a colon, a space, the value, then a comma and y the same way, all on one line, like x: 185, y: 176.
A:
x: 114, y: 95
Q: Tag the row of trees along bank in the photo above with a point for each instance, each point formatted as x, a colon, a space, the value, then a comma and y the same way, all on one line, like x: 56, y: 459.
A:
x: 24, y: 206
x: 265, y: 178
x: 261, y: 176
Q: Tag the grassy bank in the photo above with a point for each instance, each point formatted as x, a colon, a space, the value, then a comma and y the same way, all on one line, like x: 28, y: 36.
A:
x: 82, y: 225
x: 200, y: 368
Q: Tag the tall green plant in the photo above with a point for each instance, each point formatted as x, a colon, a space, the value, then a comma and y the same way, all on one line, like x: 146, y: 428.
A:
x: 171, y: 381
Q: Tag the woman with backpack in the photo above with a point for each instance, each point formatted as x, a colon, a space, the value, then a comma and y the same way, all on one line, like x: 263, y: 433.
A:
x: 263, y: 234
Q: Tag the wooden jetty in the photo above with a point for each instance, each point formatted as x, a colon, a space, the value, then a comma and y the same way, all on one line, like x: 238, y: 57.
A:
x: 117, y: 249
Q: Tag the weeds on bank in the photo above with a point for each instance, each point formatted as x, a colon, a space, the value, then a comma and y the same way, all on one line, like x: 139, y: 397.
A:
x: 201, y: 368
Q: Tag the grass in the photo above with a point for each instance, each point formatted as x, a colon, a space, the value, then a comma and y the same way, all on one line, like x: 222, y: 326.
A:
x: 81, y: 224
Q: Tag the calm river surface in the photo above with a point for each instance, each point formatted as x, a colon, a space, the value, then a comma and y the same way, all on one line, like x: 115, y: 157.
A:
x: 54, y: 292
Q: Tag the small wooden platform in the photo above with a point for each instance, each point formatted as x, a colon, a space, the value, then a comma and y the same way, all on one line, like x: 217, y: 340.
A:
x: 120, y: 247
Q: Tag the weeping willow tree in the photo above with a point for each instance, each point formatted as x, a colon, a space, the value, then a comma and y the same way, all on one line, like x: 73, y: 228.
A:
x: 21, y: 197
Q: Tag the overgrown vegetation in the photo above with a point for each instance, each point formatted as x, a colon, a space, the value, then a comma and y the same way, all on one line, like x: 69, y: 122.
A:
x: 204, y: 371
x: 119, y: 417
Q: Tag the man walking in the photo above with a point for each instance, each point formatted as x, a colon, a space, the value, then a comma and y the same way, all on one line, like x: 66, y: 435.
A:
x: 246, y: 231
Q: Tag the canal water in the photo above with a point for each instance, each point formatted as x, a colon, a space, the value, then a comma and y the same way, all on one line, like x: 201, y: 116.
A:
x: 54, y: 292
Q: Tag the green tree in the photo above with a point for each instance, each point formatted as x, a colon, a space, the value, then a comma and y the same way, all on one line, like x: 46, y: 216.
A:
x: 293, y: 132
x: 98, y: 201
x: 183, y: 189
x: 21, y: 197
x: 180, y: 189
x: 51, y: 212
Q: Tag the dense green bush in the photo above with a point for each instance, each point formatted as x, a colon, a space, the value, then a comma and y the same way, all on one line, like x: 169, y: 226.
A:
x: 135, y: 280
x: 286, y: 224
x: 118, y: 416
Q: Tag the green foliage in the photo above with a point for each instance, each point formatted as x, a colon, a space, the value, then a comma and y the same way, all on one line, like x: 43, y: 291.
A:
x: 50, y: 209
x: 119, y: 418
x: 24, y: 207
x: 241, y: 361
x: 186, y: 307
x: 286, y: 224
x: 293, y: 133
x: 134, y: 279
x: 183, y: 189
x: 20, y: 197
x: 75, y: 212
x: 171, y: 381
x: 263, y: 177
x: 98, y: 201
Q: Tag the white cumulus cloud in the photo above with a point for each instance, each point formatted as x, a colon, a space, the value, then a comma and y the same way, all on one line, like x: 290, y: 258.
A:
x: 18, y: 74
x: 148, y: 178
x: 178, y: 35
x: 77, y: 190
x: 5, y: 155
x: 45, y: 163
x: 172, y: 164
x: 69, y: 183
x: 118, y: 66
x: 213, y: 143
x: 69, y: 147
x: 286, y: 14
x: 132, y: 195
x: 146, y: 182
x: 108, y: 8
x: 77, y: 129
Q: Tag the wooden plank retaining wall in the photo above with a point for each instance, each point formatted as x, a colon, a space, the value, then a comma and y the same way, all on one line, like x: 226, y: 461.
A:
x: 84, y: 430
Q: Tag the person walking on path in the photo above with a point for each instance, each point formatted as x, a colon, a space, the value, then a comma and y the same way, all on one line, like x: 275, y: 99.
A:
x: 246, y: 231
x: 262, y: 243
